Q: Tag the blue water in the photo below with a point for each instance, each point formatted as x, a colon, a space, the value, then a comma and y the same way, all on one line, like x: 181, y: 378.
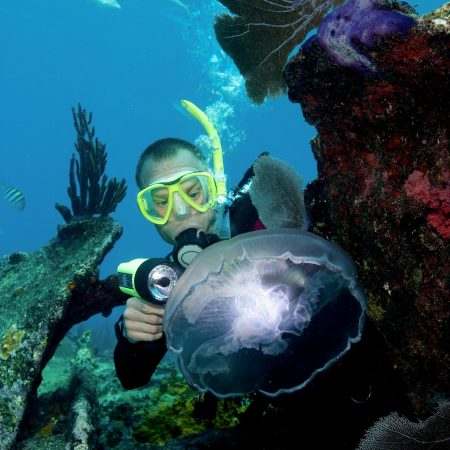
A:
x: 130, y: 67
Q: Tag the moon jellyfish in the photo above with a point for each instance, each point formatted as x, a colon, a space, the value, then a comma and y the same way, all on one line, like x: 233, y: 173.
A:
x: 265, y: 311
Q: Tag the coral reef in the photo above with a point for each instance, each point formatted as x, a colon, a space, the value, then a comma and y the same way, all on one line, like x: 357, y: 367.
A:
x: 96, y: 194
x: 160, y: 415
x: 261, y: 34
x: 39, y: 303
x: 382, y: 193
x: 164, y: 414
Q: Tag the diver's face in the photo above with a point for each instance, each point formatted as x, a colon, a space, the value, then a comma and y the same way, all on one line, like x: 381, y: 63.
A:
x: 182, y: 215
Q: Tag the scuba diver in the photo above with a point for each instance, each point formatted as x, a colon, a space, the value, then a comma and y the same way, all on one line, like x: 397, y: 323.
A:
x: 188, y: 204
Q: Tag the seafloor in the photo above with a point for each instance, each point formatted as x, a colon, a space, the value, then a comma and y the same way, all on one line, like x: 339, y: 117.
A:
x: 145, y: 417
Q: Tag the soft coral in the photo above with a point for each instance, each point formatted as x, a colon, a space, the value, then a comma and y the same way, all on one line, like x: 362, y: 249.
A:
x: 418, y: 186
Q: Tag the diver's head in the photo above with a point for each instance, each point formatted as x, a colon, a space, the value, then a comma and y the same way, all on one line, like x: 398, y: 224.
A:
x: 177, y: 190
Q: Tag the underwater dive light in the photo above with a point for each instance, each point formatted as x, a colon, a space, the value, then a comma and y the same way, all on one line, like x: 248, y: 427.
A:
x: 148, y: 279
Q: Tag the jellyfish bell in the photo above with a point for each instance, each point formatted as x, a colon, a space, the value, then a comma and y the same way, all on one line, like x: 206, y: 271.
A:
x: 264, y: 311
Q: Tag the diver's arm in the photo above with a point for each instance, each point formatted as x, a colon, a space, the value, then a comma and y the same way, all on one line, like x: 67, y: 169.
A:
x: 135, y: 363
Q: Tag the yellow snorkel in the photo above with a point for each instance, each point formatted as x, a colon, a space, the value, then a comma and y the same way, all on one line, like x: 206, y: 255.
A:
x: 219, y: 174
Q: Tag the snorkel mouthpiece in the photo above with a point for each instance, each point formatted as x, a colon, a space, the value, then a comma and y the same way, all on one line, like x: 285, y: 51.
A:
x: 219, y: 174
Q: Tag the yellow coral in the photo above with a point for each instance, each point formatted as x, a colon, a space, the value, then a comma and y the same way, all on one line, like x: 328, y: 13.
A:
x: 375, y: 311
x: 11, y: 341
x: 173, y: 416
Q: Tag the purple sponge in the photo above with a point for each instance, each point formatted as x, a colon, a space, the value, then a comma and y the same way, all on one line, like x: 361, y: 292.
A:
x: 360, y: 21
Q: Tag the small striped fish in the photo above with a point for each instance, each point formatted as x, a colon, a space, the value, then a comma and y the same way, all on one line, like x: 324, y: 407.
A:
x: 14, y: 197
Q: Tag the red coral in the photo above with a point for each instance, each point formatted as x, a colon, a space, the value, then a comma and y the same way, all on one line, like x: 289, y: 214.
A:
x: 416, y: 51
x: 418, y: 186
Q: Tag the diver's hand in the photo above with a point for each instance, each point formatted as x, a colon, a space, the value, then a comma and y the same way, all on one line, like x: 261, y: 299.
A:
x: 142, y: 321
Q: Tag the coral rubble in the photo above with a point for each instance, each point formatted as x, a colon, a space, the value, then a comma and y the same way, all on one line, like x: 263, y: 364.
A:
x: 383, y: 187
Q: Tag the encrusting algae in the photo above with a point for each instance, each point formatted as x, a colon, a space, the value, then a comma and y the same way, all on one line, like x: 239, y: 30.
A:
x: 11, y: 341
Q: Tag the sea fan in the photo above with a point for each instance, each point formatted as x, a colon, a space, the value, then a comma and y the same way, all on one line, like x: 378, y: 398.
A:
x: 262, y: 33
x: 278, y: 187
x: 394, y: 432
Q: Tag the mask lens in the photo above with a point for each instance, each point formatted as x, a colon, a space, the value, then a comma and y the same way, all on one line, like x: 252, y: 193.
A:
x: 156, y: 201
x: 198, y: 189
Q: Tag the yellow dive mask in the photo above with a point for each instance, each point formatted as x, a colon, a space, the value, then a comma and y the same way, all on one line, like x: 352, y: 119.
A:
x: 196, y: 189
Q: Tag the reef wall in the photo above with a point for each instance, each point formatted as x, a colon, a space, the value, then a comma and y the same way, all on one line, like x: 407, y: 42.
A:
x: 383, y: 187
x: 43, y: 294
